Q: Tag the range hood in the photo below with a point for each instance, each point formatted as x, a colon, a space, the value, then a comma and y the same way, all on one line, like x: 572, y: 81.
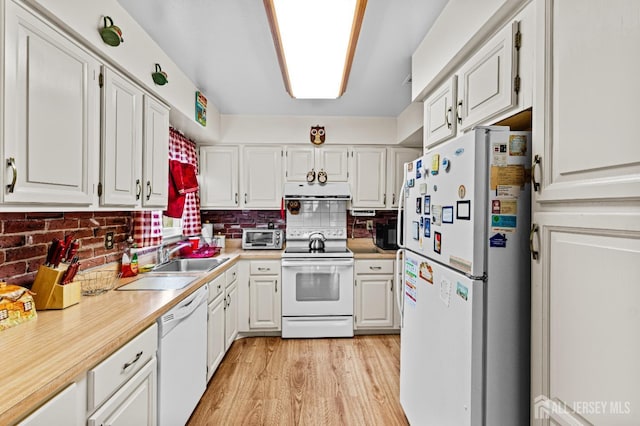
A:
x: 316, y: 191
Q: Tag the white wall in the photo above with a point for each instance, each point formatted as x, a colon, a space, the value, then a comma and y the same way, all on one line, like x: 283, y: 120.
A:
x: 461, y: 27
x: 409, y: 125
x: 137, y: 57
x: 243, y: 129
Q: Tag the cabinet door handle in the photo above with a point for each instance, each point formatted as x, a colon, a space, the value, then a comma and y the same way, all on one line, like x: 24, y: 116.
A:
x: 384, y: 198
x: 149, y: 190
x: 11, y: 162
x: 534, y: 231
x: 236, y: 198
x: 458, y: 112
x: 138, y: 189
x: 245, y: 198
x: 130, y: 363
x: 375, y: 268
x: 393, y: 198
x: 263, y: 269
x: 446, y: 117
x: 536, y: 161
x: 276, y: 286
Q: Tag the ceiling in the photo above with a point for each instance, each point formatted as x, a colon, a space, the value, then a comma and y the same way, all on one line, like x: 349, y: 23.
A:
x: 225, y: 48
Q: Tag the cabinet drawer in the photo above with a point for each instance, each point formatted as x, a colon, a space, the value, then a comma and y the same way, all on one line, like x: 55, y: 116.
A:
x: 105, y: 378
x: 231, y: 274
x: 374, y: 266
x: 265, y: 267
x: 216, y: 286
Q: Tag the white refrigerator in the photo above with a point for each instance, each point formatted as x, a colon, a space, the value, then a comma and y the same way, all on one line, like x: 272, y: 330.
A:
x: 465, y: 291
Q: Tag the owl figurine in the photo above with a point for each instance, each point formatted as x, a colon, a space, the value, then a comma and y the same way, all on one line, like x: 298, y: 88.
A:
x: 317, y: 135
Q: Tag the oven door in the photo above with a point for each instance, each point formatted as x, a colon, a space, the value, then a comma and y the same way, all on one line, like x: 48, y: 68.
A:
x: 317, y: 287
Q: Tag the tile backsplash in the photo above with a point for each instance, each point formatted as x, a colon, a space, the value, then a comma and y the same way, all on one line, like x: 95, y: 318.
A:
x: 319, y: 214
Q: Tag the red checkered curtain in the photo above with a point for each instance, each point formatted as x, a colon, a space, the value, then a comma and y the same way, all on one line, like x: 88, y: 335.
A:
x: 184, y: 150
x: 147, y: 228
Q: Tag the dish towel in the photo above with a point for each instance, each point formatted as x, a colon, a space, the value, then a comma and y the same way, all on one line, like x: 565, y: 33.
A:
x: 176, y: 199
x: 189, y: 179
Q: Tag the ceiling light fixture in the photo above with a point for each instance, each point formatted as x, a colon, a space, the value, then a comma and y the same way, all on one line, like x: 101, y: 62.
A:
x: 315, y: 42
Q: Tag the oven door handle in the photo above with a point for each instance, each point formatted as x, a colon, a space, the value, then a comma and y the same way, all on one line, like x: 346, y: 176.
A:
x: 317, y: 262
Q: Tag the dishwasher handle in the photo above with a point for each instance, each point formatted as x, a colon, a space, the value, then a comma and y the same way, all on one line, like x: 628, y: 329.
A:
x: 185, y: 308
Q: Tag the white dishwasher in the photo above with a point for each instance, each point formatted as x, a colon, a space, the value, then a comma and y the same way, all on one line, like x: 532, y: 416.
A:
x: 182, y: 358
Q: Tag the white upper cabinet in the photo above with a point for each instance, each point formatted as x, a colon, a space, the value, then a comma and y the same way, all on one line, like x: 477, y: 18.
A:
x: 155, y: 166
x: 262, y: 177
x: 135, y: 145
x: 121, y: 141
x: 219, y: 176
x: 299, y: 160
x: 50, y: 114
x: 487, y: 82
x: 440, y: 121
x: 396, y: 158
x: 334, y: 161
x: 368, y: 177
x: 586, y: 90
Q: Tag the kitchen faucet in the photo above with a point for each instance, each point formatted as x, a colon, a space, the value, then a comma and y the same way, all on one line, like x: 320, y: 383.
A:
x: 164, y: 253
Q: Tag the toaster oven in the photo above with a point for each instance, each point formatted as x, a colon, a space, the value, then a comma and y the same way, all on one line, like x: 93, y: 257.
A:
x: 265, y: 239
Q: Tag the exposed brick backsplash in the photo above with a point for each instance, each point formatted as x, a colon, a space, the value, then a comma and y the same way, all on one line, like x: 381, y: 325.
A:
x: 231, y: 222
x: 359, y: 228
x: 21, y: 258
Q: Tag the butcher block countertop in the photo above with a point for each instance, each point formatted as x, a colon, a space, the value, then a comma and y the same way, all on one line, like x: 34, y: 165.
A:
x: 42, y: 356
x: 363, y: 248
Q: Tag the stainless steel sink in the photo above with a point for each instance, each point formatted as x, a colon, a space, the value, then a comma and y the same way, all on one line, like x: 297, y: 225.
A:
x: 190, y: 265
x: 159, y: 282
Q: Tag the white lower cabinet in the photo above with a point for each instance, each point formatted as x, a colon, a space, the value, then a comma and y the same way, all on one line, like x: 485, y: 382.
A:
x: 264, y: 295
x: 216, y: 342
x: 374, y: 296
x: 231, y: 315
x: 231, y: 306
x: 122, y: 389
x: 61, y: 410
x: 133, y: 404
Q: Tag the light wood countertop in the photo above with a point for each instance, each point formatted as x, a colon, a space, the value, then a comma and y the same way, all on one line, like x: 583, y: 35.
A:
x: 42, y: 356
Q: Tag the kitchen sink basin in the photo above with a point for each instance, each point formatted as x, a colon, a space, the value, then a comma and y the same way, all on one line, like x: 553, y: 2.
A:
x: 159, y: 282
x: 190, y: 265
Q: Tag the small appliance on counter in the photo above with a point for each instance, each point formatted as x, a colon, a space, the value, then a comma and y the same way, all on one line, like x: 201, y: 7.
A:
x: 385, y: 237
x: 263, y: 239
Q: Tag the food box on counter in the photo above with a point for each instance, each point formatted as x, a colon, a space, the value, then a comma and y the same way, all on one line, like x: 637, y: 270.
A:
x: 16, y: 305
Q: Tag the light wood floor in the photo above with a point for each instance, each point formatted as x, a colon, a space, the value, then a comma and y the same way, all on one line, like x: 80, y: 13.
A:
x: 274, y: 381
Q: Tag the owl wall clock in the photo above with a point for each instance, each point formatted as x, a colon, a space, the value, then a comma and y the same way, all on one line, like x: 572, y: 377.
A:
x: 317, y: 135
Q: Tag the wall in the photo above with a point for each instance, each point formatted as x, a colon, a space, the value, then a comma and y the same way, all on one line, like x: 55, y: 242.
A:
x: 137, y: 57
x: 21, y: 258
x: 242, y: 129
x: 231, y: 222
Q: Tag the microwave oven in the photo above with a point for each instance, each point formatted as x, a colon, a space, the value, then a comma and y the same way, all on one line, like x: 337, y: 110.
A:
x: 386, y: 236
x: 264, y: 239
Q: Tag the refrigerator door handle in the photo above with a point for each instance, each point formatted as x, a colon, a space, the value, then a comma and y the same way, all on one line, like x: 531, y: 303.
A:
x: 400, y: 226
x: 399, y: 286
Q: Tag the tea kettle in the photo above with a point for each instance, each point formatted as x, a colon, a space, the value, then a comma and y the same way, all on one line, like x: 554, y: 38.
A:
x: 316, y: 241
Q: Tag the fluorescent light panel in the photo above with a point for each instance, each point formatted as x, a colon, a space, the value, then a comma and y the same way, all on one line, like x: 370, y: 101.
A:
x: 315, y: 41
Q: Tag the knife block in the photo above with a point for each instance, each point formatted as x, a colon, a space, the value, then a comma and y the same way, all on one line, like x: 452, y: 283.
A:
x: 51, y: 295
